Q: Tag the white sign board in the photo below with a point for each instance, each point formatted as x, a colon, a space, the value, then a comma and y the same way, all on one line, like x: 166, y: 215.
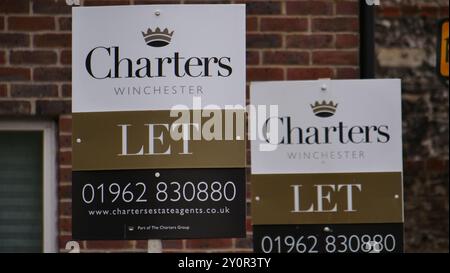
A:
x: 330, y: 126
x: 160, y: 56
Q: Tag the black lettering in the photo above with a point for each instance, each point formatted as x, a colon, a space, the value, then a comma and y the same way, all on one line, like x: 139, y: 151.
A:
x: 352, y: 134
x: 314, y: 136
x: 161, y: 65
x: 176, y: 60
x: 146, y: 68
x: 188, y: 65
x: 327, y: 133
x: 341, y: 133
x: 291, y: 132
x: 88, y: 62
x: 158, y: 67
x: 265, y: 129
x: 206, y: 65
x: 383, y: 132
x: 368, y: 129
x: 118, y: 61
x: 227, y: 67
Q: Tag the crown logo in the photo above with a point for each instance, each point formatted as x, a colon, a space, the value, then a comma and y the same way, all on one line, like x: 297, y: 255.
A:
x: 324, y: 109
x: 157, y: 38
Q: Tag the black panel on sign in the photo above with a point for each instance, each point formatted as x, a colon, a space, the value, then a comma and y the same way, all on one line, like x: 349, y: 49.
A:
x: 158, y: 204
x: 338, y: 238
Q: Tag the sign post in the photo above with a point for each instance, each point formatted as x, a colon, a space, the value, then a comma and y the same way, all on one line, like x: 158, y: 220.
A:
x: 332, y: 180
x: 152, y: 157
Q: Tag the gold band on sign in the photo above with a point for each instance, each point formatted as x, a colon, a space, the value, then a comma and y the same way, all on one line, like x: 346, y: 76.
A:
x: 335, y: 198
x: 143, y: 140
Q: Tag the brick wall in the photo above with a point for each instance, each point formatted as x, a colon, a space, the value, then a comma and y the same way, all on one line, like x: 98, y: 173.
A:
x: 406, y: 46
x: 286, y: 40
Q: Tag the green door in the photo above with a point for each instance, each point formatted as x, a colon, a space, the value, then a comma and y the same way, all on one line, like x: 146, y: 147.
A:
x: 21, y: 191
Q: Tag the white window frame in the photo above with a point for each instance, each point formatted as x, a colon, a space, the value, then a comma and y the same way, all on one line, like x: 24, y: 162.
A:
x: 50, y: 209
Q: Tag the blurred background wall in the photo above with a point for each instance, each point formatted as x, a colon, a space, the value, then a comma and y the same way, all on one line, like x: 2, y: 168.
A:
x: 406, y: 37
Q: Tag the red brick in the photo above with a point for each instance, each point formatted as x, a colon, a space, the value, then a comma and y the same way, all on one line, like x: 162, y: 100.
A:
x: 252, y: 57
x: 65, y: 158
x: 66, y: 57
x: 65, y: 225
x: 343, y: 24
x: 249, y: 225
x: 51, y: 7
x: 436, y: 165
x: 3, y: 90
x: 347, y: 41
x: 309, y: 7
x: 248, y: 204
x: 244, y: 243
x: 14, y: 6
x: 65, y: 141
x: 65, y: 23
x: 65, y: 192
x: 251, y: 23
x: 414, y: 164
x: 146, y: 2
x: 430, y: 11
x: 210, y: 243
x: 264, y: 74
x: 172, y: 244
x: 347, y: 8
x: 65, y: 174
x: 65, y: 208
x: 65, y: 124
x: 2, y: 57
x: 443, y: 11
x: 66, y: 90
x: 27, y: 23
x: 262, y: 7
x: 286, y: 57
x: 207, y: 1
x: 33, y: 90
x: 389, y: 11
x: 264, y: 40
x: 309, y: 73
x: 306, y: 41
x: 335, y: 57
x: 53, y: 40
x: 52, y: 74
x: 106, y: 2
x: 63, y: 241
x: 15, y: 107
x: 14, y: 74
x: 410, y: 10
x: 14, y: 40
x: 32, y: 57
x: 142, y: 244
x: 53, y: 108
x: 284, y: 24
x: 116, y: 245
x: 347, y: 73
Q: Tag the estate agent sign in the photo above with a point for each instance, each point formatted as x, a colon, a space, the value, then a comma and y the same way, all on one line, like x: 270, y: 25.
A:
x: 143, y: 164
x: 332, y: 181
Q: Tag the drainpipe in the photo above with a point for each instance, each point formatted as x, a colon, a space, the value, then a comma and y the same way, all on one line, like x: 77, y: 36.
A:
x: 367, y: 40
